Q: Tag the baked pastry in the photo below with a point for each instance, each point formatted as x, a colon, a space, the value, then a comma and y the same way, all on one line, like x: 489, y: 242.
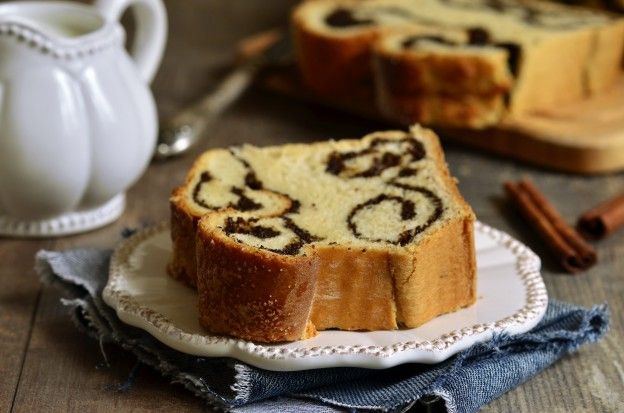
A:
x: 440, y: 77
x: 366, y: 234
x: 554, y: 53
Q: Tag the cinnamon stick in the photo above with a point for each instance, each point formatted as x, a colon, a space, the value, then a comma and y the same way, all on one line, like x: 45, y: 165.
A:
x: 603, y: 219
x: 572, y: 252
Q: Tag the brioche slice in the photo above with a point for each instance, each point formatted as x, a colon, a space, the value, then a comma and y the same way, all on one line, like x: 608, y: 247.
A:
x: 441, y: 77
x: 368, y: 234
x: 555, y: 53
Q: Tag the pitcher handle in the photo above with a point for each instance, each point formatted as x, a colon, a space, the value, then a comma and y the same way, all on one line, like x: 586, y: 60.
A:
x: 151, y: 31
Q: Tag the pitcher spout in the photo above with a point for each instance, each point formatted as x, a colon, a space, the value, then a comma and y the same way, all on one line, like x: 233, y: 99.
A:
x: 62, y: 29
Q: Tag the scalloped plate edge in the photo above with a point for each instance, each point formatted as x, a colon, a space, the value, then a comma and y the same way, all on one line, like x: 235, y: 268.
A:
x: 377, y: 357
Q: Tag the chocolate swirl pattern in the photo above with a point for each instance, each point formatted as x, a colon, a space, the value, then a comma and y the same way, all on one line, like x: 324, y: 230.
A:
x: 407, y: 214
x: 395, y: 159
x: 265, y: 227
x: 344, y: 17
x: 242, y: 203
x: 407, y: 208
x: 288, y: 237
x: 476, y: 36
x: 533, y: 13
x: 381, y: 155
x: 246, y: 194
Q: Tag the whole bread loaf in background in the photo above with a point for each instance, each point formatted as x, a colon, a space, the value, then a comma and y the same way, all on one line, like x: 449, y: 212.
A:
x: 533, y: 55
x: 368, y: 234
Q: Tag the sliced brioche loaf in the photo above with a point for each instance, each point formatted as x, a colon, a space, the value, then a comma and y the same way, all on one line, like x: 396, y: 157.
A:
x: 553, y: 53
x: 440, y: 78
x: 358, y: 235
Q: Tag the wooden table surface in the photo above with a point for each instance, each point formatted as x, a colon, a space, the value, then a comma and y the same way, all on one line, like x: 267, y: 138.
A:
x: 47, y: 365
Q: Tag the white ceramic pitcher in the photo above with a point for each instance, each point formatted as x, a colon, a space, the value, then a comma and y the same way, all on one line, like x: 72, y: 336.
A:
x: 78, y: 123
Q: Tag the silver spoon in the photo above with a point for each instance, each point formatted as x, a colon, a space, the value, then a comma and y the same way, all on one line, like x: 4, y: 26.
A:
x: 184, y: 130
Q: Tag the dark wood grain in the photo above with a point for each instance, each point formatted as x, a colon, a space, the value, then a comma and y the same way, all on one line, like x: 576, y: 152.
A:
x: 65, y: 372
x: 47, y: 365
x: 593, y: 379
x: 19, y: 293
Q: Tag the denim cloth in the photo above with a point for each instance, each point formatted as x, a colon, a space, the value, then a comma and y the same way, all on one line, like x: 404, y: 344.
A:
x: 463, y: 383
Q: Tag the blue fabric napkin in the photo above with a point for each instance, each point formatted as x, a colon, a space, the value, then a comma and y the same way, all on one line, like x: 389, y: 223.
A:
x: 463, y: 383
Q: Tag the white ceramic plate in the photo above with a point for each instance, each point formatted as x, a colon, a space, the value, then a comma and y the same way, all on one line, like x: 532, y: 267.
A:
x: 511, y: 298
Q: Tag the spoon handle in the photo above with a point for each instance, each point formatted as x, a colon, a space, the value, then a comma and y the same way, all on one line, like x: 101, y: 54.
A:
x: 184, y: 129
x: 226, y: 93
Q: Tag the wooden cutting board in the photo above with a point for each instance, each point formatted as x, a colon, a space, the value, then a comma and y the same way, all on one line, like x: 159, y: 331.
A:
x: 585, y: 137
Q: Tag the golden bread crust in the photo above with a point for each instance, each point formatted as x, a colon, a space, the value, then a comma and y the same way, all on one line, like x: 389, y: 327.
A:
x: 333, y: 67
x: 183, y: 266
x: 354, y: 290
x: 250, y: 293
x: 442, y: 274
x: 473, y: 111
x: 450, y: 75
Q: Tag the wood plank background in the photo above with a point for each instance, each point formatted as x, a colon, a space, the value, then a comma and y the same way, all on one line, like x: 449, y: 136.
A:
x: 47, y: 365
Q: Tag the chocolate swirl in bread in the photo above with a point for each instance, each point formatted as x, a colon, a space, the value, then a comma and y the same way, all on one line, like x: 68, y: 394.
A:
x: 262, y: 230
x: 407, y: 151
x: 244, y: 191
x: 343, y: 17
x: 243, y: 201
x: 393, y: 160
x: 397, y: 156
x: 477, y: 36
x: 530, y: 12
x: 408, y: 213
